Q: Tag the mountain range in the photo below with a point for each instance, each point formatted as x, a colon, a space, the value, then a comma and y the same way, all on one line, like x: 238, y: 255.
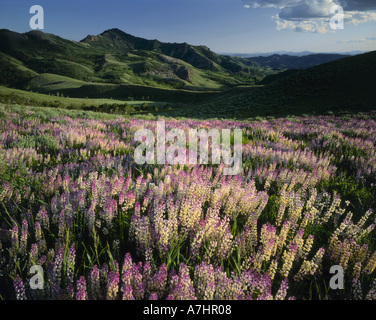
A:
x: 290, y: 53
x: 118, y: 65
x: 120, y: 58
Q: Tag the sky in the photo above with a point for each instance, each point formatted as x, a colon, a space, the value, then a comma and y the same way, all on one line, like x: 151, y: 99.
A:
x: 225, y: 26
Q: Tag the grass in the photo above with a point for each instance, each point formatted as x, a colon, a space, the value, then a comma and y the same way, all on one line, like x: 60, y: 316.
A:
x: 21, y: 97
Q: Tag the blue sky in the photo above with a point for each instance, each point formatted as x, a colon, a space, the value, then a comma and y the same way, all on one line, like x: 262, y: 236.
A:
x: 242, y: 26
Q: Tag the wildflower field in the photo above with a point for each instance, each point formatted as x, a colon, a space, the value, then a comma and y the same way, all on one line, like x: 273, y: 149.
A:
x: 100, y: 226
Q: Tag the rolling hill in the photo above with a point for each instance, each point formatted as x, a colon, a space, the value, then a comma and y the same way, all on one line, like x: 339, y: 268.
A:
x: 343, y: 85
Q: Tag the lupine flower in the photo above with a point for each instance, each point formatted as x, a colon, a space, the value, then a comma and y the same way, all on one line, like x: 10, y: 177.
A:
x: 371, y: 265
x: 288, y: 259
x: 24, y: 236
x: 112, y: 285
x: 94, y: 284
x: 204, y: 281
x: 371, y: 295
x: 14, y: 238
x: 282, y: 291
x: 357, y: 289
x: 70, y: 292
x: 71, y: 263
x: 273, y: 268
x: 181, y: 286
x: 42, y: 218
x: 81, y: 289
x: 19, y: 288
x: 127, y: 292
x: 58, y: 264
x: 259, y: 218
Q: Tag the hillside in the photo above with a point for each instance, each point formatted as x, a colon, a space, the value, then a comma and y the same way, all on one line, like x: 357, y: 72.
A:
x: 343, y: 85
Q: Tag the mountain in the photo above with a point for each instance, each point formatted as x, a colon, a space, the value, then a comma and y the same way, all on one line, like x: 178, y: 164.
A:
x: 277, y: 61
x: 290, y: 53
x: 114, y: 57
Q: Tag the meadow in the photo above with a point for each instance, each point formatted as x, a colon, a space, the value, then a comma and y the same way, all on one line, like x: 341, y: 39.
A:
x: 73, y: 202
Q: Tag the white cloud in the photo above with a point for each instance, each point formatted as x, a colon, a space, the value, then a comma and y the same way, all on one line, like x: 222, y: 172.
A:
x: 314, y: 15
x: 318, y: 25
x: 271, y: 3
x: 307, y: 10
x: 357, y: 17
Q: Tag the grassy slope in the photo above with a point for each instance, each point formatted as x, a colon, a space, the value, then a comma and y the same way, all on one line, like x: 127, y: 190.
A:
x: 346, y: 84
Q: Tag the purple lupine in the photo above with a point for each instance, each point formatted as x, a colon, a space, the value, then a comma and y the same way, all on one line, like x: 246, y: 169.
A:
x: 127, y: 292
x: 81, y: 289
x: 282, y: 291
x: 54, y: 205
x: 14, y: 237
x: 181, y: 285
x: 121, y: 198
x: 94, y: 284
x: 153, y: 296
x: 71, y: 263
x: 159, y: 280
x: 24, y: 236
x: 126, y: 271
x: 58, y: 264
x: 33, y: 254
x: 43, y: 218
x: 61, y: 224
x: 70, y: 292
x: 112, y: 285
x: 90, y: 218
x: 19, y: 288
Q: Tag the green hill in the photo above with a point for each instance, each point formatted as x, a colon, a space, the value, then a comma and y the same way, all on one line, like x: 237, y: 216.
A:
x: 343, y: 85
